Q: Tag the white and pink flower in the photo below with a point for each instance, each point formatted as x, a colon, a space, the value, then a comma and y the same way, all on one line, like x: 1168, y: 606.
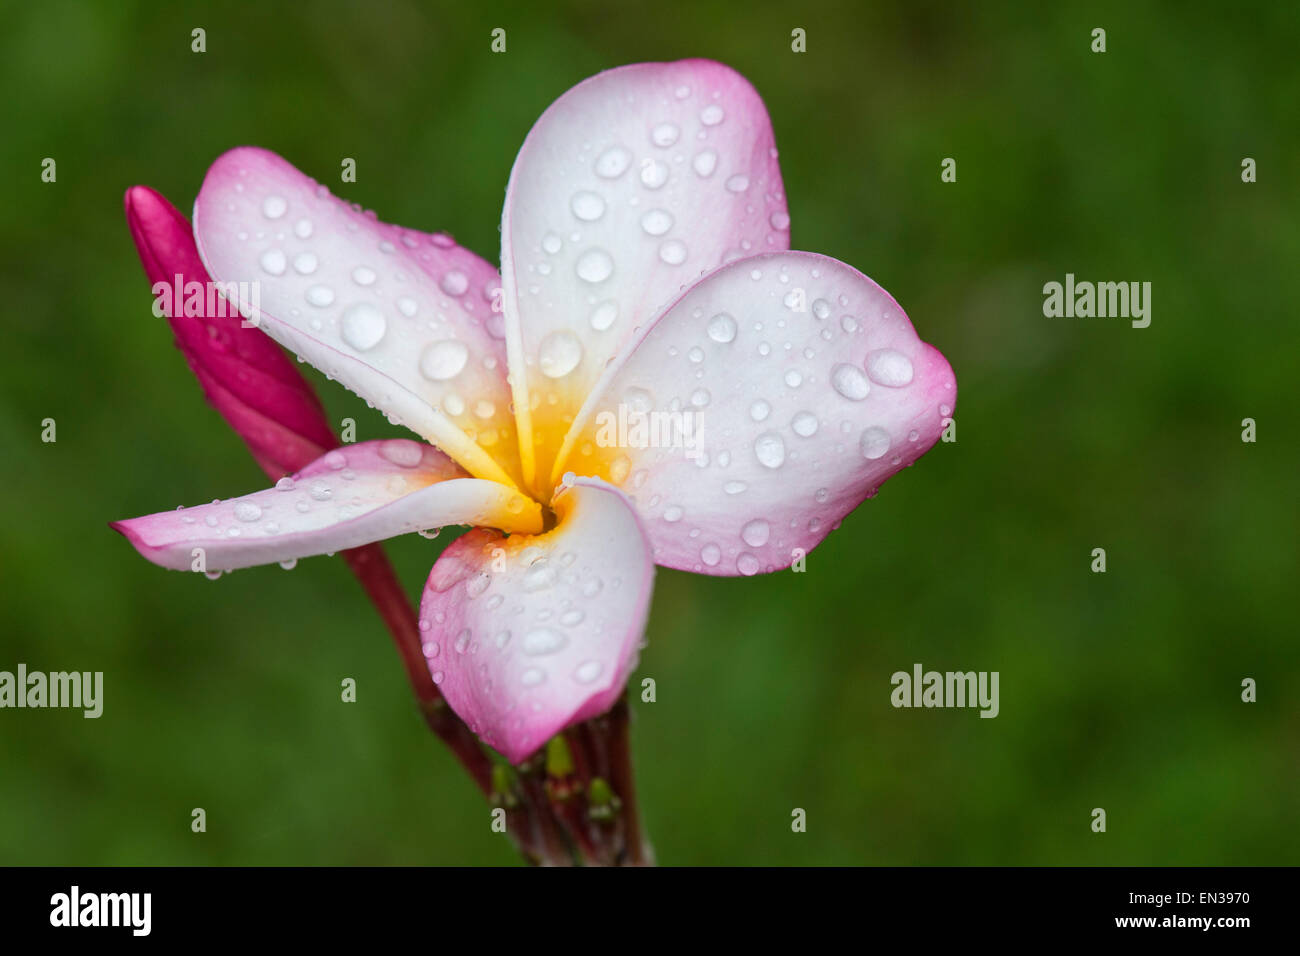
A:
x: 645, y: 265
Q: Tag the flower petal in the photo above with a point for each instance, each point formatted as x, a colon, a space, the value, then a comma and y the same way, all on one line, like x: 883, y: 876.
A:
x: 351, y: 496
x: 630, y: 186
x: 402, y: 318
x: 245, y: 375
x: 806, y: 387
x: 528, y: 634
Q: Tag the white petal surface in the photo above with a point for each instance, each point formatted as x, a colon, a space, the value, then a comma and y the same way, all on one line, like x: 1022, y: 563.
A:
x: 402, y: 318
x: 528, y: 634
x: 773, y: 397
x: 349, y: 497
x: 631, y: 186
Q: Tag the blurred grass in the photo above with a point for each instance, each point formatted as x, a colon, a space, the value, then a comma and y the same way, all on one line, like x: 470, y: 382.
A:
x: 1118, y: 690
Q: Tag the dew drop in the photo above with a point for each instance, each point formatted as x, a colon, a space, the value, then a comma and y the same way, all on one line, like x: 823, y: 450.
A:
x: 273, y: 262
x: 850, y: 382
x: 603, y: 315
x: 320, y: 296
x: 722, y: 328
x: 890, y: 368
x: 874, y: 443
x: 543, y: 641
x: 656, y: 222
x: 587, y: 206
x: 756, y: 533
x: 588, y: 672
x: 613, y: 162
x: 444, y: 360
x: 362, y: 326
x: 594, y: 265
x: 559, y: 354
x: 705, y: 163
x: 273, y: 207
x: 804, y: 424
x: 402, y: 452
x: 769, y: 449
x: 665, y: 134
x: 673, y: 252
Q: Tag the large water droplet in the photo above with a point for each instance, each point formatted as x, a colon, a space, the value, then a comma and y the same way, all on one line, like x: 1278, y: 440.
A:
x: 247, y: 511
x: 665, y: 134
x: 874, y: 442
x: 362, y: 326
x: 559, y: 354
x: 594, y: 265
x: 320, y: 296
x: 804, y: 424
x: 402, y: 452
x: 444, y: 360
x: 603, y: 315
x: 889, y: 367
x: 769, y: 449
x: 542, y: 641
x: 454, y: 282
x: 587, y: 206
x: 613, y: 162
x: 657, y: 222
x: 653, y: 174
x: 588, y: 671
x: 722, y: 328
x: 273, y: 207
x: 673, y: 252
x: 705, y: 163
x: 756, y: 533
x: 850, y: 382
x: 273, y: 262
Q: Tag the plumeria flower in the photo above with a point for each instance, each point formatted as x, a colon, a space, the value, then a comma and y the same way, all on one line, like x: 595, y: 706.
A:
x: 652, y: 379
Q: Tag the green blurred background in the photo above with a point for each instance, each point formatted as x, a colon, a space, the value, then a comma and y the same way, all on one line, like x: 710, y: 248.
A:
x: 1119, y: 690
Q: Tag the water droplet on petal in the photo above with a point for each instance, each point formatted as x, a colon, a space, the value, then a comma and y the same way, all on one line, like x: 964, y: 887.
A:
x: 362, y: 326
x: 850, y: 382
x: 889, y: 367
x: 402, y: 452
x: 769, y: 449
x: 444, y: 360
x: 613, y: 162
x: 273, y: 262
x: 594, y: 265
x: 804, y: 424
x: 874, y: 443
x: 559, y: 354
x: 722, y: 328
x: 756, y: 533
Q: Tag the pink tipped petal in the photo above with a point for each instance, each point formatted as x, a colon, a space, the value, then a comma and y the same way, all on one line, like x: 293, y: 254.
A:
x: 631, y: 186
x: 245, y: 375
x: 806, y: 387
x: 528, y: 634
x: 402, y: 318
x: 349, y: 497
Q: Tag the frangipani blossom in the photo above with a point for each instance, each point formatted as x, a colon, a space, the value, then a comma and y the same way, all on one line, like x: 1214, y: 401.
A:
x: 645, y: 271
